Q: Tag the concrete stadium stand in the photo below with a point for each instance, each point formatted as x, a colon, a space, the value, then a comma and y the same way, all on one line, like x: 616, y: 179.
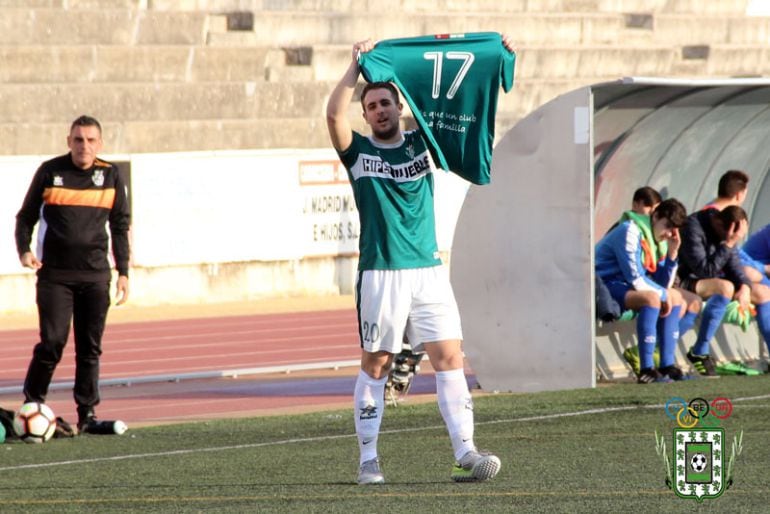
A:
x: 181, y: 75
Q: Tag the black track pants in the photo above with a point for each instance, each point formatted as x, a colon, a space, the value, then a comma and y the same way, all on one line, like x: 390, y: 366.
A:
x: 86, y: 305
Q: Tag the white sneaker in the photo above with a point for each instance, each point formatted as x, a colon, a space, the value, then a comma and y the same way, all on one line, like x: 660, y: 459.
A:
x: 370, y: 473
x: 476, y: 466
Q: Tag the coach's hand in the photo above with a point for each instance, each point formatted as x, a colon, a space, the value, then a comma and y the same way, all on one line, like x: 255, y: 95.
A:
x: 121, y: 294
x: 28, y: 260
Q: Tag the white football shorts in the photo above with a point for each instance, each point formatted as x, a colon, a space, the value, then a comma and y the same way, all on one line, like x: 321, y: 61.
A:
x: 418, y: 303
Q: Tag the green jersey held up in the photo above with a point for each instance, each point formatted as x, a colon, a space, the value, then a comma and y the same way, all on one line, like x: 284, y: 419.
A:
x: 451, y: 83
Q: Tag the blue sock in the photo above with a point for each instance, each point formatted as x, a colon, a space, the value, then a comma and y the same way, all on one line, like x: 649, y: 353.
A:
x: 686, y: 323
x: 713, y: 313
x: 645, y: 331
x: 763, y: 320
x: 668, y: 335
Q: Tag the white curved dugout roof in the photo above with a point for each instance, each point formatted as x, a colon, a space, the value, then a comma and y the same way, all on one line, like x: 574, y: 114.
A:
x: 680, y: 137
x: 522, y: 256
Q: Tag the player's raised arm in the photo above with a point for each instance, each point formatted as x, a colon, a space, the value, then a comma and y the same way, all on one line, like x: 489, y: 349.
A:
x: 337, y: 109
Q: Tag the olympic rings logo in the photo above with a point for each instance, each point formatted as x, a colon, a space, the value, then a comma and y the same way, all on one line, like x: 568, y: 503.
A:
x: 698, y: 411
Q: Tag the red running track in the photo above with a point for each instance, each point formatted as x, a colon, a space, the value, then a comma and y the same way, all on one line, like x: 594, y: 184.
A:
x: 197, y: 346
x: 138, y: 354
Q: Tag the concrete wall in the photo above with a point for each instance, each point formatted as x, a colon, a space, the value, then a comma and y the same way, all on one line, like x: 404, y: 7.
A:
x: 209, y: 283
x: 213, y: 227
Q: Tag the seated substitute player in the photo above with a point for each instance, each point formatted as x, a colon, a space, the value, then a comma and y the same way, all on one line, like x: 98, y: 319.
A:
x: 402, y: 284
x: 732, y: 189
x: 641, y: 279
x: 644, y: 201
x: 711, y: 267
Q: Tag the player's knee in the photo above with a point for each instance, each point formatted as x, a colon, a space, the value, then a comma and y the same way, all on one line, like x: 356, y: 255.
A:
x: 694, y: 304
x: 650, y: 299
x: 760, y: 293
x: 725, y: 288
x: 376, y: 364
x: 445, y: 355
x: 675, y: 297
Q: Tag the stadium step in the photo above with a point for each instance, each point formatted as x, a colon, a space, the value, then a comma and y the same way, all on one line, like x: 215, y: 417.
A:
x: 108, y: 26
x: 177, y: 135
x: 723, y: 7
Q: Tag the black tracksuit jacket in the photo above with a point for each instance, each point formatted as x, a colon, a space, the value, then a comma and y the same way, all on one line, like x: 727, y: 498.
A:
x: 75, y: 207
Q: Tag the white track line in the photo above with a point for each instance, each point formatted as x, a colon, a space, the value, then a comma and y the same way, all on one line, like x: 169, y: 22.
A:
x: 176, y: 377
x: 341, y: 436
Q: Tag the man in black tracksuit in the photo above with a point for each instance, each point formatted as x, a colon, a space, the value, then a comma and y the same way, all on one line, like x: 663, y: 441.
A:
x: 75, y: 197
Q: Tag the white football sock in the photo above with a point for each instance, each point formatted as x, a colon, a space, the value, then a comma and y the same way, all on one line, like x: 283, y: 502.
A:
x: 369, y: 401
x: 456, y: 406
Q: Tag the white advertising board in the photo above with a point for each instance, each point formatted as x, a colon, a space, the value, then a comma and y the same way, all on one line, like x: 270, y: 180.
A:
x: 231, y: 206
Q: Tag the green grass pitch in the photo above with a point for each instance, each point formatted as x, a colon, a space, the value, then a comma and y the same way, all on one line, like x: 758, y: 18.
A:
x: 574, y: 451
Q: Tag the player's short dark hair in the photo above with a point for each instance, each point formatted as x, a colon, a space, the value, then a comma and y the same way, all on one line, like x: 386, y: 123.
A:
x: 672, y: 210
x: 380, y: 85
x: 647, y: 196
x: 732, y: 183
x: 731, y: 214
x: 86, y: 121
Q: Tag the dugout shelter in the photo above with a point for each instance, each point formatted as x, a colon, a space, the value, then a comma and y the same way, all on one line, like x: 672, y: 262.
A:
x: 523, y: 249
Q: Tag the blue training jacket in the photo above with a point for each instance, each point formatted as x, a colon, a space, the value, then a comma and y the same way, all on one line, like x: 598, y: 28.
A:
x: 619, y: 259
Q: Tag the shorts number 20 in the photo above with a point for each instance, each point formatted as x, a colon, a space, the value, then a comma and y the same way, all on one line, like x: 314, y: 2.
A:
x: 370, y: 332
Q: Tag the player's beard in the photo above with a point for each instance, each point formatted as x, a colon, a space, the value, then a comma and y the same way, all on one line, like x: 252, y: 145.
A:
x: 387, y: 133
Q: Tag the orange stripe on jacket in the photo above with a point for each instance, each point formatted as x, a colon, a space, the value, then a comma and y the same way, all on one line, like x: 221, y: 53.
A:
x: 103, y: 198
x: 648, y: 257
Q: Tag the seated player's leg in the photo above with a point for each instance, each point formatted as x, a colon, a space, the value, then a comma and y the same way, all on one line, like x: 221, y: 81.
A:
x: 694, y: 304
x: 647, y: 304
x: 668, y: 335
x: 760, y: 297
x: 718, y: 293
x: 754, y: 275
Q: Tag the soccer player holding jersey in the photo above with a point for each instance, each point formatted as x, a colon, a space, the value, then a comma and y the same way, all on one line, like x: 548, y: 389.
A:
x: 402, y: 286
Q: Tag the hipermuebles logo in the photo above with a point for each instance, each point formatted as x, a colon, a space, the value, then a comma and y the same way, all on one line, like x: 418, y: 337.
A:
x: 701, y: 469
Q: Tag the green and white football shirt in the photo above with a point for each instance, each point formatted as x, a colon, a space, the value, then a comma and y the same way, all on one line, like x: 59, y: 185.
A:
x: 451, y: 83
x: 393, y: 189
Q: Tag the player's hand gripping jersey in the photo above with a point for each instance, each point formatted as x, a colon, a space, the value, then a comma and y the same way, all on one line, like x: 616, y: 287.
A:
x: 450, y: 83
